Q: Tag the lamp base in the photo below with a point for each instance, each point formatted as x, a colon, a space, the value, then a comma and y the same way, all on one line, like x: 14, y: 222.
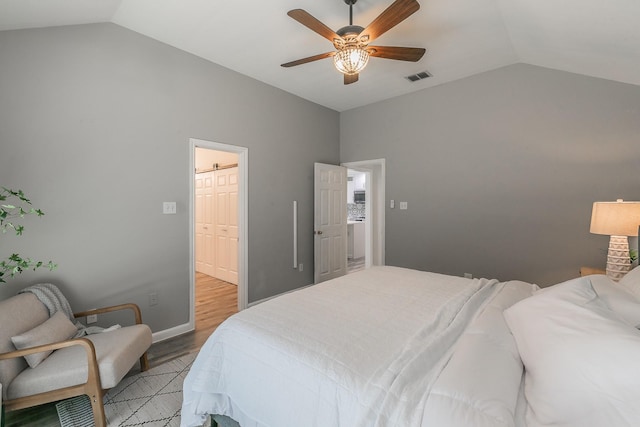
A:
x: 618, y: 259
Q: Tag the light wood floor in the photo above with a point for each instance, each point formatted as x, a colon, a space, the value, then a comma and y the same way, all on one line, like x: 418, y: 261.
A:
x: 216, y: 300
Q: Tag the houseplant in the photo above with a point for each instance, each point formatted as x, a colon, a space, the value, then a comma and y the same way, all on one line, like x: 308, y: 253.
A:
x: 15, y: 205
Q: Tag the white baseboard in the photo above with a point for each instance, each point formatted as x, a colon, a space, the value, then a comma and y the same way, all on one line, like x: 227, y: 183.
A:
x: 171, y: 332
x: 251, y: 304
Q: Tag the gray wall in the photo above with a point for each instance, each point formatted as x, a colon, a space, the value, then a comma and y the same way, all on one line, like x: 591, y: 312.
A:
x: 95, y: 122
x: 500, y: 170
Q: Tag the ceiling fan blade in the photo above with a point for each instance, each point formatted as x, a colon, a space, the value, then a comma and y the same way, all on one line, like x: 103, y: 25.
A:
x: 350, y: 78
x: 412, y: 54
x: 305, y: 18
x: 308, y: 59
x: 392, y: 16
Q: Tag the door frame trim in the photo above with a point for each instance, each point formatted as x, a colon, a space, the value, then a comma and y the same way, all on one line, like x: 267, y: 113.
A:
x: 243, y: 220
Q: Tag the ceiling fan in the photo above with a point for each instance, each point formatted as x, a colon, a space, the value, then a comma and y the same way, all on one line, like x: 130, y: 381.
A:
x: 352, y: 42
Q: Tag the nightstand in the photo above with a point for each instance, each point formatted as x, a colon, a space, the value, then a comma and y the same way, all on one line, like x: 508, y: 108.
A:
x: 586, y: 271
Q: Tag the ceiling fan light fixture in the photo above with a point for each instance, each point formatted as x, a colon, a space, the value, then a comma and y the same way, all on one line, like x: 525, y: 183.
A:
x: 352, y: 42
x: 351, y: 60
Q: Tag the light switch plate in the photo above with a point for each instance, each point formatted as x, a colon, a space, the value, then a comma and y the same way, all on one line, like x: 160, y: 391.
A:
x: 168, y: 207
x: 403, y: 205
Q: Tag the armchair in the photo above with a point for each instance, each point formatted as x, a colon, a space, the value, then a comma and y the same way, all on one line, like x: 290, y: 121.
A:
x: 88, y: 365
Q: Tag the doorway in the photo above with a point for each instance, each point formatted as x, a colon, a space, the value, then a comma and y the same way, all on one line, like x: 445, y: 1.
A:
x: 218, y: 217
x: 216, y: 214
x: 373, y: 175
x: 357, y: 219
x: 331, y: 217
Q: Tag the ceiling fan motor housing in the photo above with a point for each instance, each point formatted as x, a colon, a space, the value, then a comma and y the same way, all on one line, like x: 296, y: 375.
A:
x: 350, y: 30
x: 349, y: 36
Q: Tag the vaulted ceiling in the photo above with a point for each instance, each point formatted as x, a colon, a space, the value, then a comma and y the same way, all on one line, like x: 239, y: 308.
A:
x: 462, y: 37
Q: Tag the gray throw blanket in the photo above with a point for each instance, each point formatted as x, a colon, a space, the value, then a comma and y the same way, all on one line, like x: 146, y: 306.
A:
x: 55, y: 301
x: 51, y: 297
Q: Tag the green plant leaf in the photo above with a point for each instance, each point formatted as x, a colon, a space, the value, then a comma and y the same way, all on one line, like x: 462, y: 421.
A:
x: 16, y: 264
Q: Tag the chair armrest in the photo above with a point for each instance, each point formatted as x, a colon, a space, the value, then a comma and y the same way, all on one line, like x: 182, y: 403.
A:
x: 129, y: 306
x: 83, y: 342
x: 144, y: 362
x: 92, y: 387
x: 92, y: 363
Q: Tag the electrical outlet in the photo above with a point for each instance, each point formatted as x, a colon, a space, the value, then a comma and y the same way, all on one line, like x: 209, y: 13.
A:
x: 153, y: 299
x: 301, y: 267
x: 468, y: 275
x: 92, y: 318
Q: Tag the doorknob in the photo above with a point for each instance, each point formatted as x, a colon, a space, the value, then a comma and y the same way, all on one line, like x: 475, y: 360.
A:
x: 317, y: 232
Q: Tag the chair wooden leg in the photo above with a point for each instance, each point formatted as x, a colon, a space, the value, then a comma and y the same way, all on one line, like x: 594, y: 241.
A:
x: 144, y: 362
x: 97, y: 406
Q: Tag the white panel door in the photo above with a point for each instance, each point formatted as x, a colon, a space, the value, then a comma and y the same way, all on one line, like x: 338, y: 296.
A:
x: 226, y: 227
x: 204, y: 207
x: 330, y: 222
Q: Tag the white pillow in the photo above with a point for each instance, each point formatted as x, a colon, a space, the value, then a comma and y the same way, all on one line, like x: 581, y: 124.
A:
x: 631, y: 281
x: 582, y: 363
x: 618, y: 298
x: 57, y: 328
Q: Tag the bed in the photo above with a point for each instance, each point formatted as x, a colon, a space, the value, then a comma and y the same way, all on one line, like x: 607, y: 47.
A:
x: 390, y: 346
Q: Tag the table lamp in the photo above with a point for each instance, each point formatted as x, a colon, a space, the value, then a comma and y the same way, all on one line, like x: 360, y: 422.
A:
x: 619, y: 220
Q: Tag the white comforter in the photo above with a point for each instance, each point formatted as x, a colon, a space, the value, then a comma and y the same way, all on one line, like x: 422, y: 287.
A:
x: 362, y: 350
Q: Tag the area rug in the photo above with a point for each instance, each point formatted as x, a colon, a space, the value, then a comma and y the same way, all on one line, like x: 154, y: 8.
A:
x: 150, y: 399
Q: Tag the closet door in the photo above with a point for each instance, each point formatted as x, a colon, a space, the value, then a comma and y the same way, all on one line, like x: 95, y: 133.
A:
x: 204, y: 203
x: 226, y: 224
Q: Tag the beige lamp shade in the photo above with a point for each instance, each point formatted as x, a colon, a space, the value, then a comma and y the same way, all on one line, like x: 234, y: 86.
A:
x: 615, y: 218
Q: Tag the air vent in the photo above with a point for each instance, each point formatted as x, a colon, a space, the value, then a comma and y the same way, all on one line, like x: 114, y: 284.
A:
x: 420, y: 76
